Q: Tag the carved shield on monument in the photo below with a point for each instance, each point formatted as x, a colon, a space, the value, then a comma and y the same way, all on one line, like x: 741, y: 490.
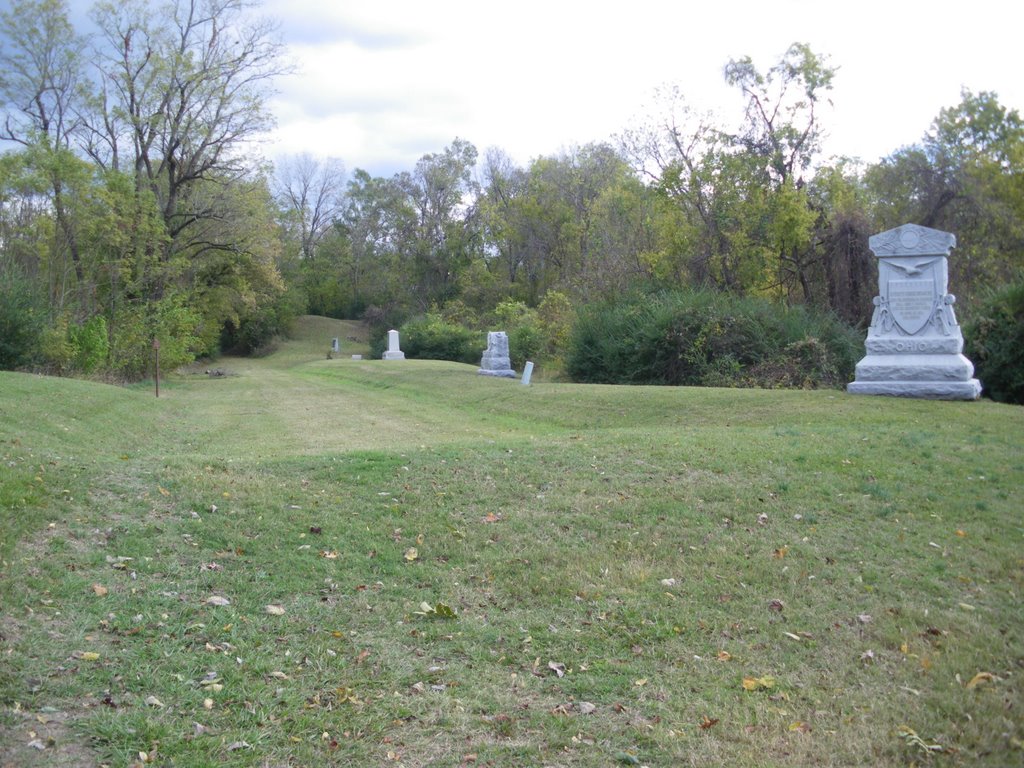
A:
x: 911, y: 291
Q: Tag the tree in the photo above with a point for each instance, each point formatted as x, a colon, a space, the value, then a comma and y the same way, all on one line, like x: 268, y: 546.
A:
x: 965, y: 177
x: 182, y: 94
x: 442, y: 192
x: 781, y: 118
x: 311, y: 192
x: 41, y: 65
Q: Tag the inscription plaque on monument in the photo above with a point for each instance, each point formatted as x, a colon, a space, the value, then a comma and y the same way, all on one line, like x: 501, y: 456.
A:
x: 914, y: 344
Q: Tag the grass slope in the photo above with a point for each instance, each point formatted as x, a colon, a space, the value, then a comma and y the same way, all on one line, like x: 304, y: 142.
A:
x: 313, y: 561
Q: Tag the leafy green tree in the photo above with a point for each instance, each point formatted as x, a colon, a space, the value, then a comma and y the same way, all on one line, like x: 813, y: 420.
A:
x: 965, y: 177
x: 41, y: 61
x: 442, y: 194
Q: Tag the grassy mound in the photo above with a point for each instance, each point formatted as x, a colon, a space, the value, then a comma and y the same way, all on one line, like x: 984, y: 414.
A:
x: 328, y: 561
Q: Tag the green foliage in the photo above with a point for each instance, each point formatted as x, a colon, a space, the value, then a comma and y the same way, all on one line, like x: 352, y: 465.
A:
x: 994, y: 342
x: 90, y: 344
x: 256, y: 330
x: 710, y: 339
x: 21, y: 318
x: 134, y: 328
x: 434, y: 338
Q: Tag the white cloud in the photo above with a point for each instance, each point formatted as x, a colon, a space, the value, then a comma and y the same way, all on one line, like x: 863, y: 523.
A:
x: 383, y: 83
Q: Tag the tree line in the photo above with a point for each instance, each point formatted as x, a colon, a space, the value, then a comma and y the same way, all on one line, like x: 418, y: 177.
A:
x: 131, y: 207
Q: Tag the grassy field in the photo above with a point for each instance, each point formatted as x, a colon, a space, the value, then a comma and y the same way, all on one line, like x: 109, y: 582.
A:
x: 308, y: 561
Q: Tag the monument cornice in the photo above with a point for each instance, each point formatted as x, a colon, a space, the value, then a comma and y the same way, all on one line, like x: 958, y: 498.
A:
x: 911, y: 240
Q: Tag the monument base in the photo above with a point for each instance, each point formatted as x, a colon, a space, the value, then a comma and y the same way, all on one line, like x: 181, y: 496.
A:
x: 950, y: 368
x: 934, y: 377
x: 507, y: 373
x: 393, y: 356
x: 926, y: 390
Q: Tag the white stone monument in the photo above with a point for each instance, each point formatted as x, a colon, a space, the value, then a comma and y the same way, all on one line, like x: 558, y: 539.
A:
x: 495, y: 361
x: 914, y: 344
x: 393, y: 352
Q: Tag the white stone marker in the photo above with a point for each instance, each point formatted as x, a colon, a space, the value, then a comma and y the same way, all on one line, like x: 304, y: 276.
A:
x: 914, y: 344
x: 393, y: 353
x: 335, y: 346
x: 527, y: 373
x: 495, y: 361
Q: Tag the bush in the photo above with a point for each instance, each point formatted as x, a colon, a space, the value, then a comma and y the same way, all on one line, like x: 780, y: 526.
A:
x: 90, y: 345
x: 994, y: 342
x: 135, y: 327
x: 21, y: 319
x: 433, y: 338
x: 710, y: 339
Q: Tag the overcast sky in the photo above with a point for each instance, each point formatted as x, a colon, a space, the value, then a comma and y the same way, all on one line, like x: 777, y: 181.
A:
x: 382, y: 82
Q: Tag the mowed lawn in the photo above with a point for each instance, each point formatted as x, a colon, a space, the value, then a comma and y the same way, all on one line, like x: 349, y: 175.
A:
x: 311, y: 561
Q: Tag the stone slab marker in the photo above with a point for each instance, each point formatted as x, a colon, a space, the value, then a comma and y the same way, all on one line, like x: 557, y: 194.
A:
x: 914, y: 344
x: 393, y: 352
x: 527, y: 373
x: 495, y: 361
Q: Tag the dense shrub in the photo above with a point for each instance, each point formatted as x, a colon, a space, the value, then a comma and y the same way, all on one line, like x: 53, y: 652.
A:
x: 994, y: 342
x: 432, y: 337
x: 90, y: 345
x: 710, y: 339
x: 21, y: 319
x: 257, y: 329
x: 134, y: 328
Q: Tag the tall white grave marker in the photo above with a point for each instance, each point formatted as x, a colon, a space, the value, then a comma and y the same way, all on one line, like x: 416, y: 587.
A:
x: 393, y: 351
x: 914, y: 344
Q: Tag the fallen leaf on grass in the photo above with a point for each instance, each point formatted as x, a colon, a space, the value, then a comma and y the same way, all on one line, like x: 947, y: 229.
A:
x: 100, y: 590
x: 724, y: 656
x: 557, y: 667
x: 218, y: 600
x: 708, y: 722
x: 87, y: 655
x: 437, y: 611
x: 411, y: 554
x: 587, y: 708
x: 912, y: 739
x: 780, y: 553
x: 331, y: 555
x: 274, y: 610
x: 800, y: 727
x: 978, y: 679
x: 490, y: 517
x: 776, y: 605
x: 239, y: 745
x: 758, y: 683
x: 153, y: 701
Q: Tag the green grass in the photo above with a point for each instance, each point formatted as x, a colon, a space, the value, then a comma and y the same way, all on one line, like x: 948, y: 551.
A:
x: 548, y: 518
